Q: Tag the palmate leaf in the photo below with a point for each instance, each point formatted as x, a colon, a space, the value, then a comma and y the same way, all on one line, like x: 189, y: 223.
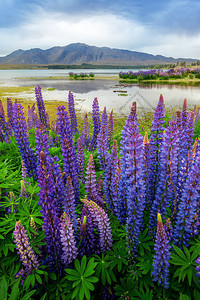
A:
x: 186, y: 261
x: 118, y: 258
x: 103, y: 270
x: 81, y: 277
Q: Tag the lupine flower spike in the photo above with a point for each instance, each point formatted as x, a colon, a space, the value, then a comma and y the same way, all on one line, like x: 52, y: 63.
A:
x: 90, y: 183
x: 72, y: 113
x: 96, y: 124
x: 41, y: 107
x: 21, y: 136
x: 27, y: 255
x: 102, y: 222
x: 67, y: 240
x: 162, y: 256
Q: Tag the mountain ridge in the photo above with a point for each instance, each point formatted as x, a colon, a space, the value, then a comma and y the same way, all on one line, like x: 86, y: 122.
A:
x: 80, y: 53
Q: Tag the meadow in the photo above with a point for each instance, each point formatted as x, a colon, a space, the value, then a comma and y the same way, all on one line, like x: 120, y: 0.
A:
x: 182, y: 75
x: 96, y: 206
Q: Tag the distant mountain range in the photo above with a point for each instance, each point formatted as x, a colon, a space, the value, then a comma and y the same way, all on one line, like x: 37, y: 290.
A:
x: 79, y: 53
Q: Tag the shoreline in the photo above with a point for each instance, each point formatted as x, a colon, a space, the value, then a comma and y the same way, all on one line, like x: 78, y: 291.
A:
x: 183, y: 81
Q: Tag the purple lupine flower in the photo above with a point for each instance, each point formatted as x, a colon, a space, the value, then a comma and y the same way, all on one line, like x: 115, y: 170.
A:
x: 110, y: 127
x: 80, y: 159
x: 9, y: 115
x: 96, y: 124
x: 33, y: 119
x: 70, y: 166
x: 69, y: 205
x: 123, y: 185
x: 34, y: 227
x: 4, y: 129
x: 41, y: 139
x: 20, y: 131
x: 42, y: 144
x: 197, y: 268
x: 23, y: 192
x: 146, y: 146
x: 115, y: 192
x: 27, y: 255
x: 100, y: 186
x: 162, y: 256
x: 167, y: 173
x: 169, y: 229
x: 72, y: 113
x: 186, y: 132
x: 50, y: 212
x: 102, y: 147
x: 146, y: 150
x: 90, y: 183
x: 109, y: 175
x: 196, y: 117
x: 135, y: 193
x: 155, y: 142
x: 188, y: 204
x: 40, y: 105
x: 67, y: 240
x: 85, y: 139
x: 104, y: 119
x: 2, y: 112
x: 89, y: 243
x: 24, y: 173
x: 102, y: 222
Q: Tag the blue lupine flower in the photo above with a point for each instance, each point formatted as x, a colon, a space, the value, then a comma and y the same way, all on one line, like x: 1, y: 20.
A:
x: 155, y: 142
x: 20, y: 131
x: 102, y: 147
x: 102, y: 223
x: 50, y: 213
x: 72, y: 113
x: 68, y: 240
x: 110, y: 127
x: 188, y: 204
x: 167, y: 173
x: 109, y: 175
x: 90, y: 183
x: 162, y: 255
x: 85, y: 138
x: 96, y: 124
x: 80, y: 159
x: 69, y: 204
x: 41, y: 107
x: 89, y: 242
x: 27, y: 256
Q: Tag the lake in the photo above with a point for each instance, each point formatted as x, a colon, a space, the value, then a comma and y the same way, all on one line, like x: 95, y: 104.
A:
x: 110, y: 93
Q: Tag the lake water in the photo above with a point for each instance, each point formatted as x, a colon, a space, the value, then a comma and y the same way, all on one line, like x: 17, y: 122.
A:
x: 110, y: 93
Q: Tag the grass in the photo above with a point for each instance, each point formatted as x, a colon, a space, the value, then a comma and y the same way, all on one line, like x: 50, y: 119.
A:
x: 181, y: 81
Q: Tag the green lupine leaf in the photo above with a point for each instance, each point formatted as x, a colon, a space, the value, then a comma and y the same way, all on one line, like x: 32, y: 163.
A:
x: 93, y: 279
x: 75, y: 292
x: 3, y: 288
x: 76, y: 283
x: 77, y: 266
x: 180, y: 252
x: 83, y: 264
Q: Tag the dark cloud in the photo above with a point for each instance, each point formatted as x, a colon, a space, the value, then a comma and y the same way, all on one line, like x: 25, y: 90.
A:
x: 173, y: 15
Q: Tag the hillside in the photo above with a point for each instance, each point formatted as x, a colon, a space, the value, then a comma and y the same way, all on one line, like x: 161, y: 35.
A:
x: 79, y: 53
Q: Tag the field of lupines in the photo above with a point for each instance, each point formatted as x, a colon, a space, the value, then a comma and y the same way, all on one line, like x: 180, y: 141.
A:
x: 87, y: 217
x: 173, y: 73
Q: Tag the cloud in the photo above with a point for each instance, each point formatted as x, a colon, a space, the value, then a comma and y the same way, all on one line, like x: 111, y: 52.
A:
x: 181, y: 16
x: 170, y: 28
x: 55, y: 29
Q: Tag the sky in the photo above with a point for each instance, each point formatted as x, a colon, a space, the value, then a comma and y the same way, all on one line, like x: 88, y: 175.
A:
x: 160, y: 27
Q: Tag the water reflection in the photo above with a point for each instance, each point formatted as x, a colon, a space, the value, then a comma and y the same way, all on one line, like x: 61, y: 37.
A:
x: 112, y: 94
